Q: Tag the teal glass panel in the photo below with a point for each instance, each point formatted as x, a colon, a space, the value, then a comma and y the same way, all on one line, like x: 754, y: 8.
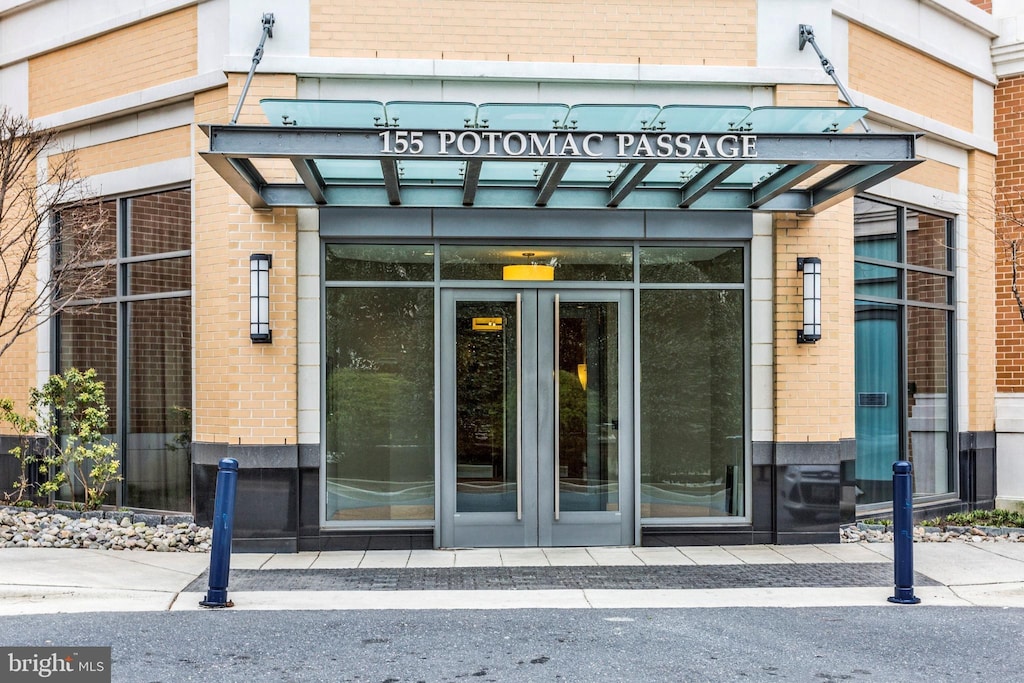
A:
x: 521, y: 116
x: 801, y: 119
x: 593, y: 173
x: 671, y: 173
x: 379, y: 438
x: 511, y: 172
x: 386, y: 263
x: 691, y: 264
x: 432, y: 171
x: 747, y: 175
x: 431, y: 115
x: 323, y: 113
x: 872, y: 280
x: 350, y: 170
x: 928, y: 404
x: 591, y: 264
x: 875, y: 229
x: 752, y: 174
x: 878, y: 399
x: 882, y: 247
x: 691, y: 403
x: 698, y: 118
x: 611, y: 117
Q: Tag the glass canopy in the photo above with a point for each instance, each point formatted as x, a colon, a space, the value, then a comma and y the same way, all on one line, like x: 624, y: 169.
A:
x: 519, y: 155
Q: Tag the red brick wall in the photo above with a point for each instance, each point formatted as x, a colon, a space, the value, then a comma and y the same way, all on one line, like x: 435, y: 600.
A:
x: 159, y: 331
x: 983, y: 4
x: 159, y: 360
x: 160, y: 222
x: 1009, y: 200
x: 926, y: 334
x: 88, y: 339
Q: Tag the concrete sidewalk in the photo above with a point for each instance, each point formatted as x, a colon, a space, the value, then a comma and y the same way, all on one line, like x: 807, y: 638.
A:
x: 43, y: 580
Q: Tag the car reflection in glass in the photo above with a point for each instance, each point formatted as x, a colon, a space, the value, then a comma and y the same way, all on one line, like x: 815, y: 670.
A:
x: 811, y: 492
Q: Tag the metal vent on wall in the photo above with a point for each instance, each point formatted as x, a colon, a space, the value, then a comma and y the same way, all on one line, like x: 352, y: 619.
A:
x: 873, y: 399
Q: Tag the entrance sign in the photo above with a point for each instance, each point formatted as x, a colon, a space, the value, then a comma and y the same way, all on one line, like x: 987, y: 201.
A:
x: 568, y: 145
x: 525, y: 156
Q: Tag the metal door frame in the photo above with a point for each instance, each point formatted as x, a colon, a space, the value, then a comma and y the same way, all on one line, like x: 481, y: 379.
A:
x: 529, y: 526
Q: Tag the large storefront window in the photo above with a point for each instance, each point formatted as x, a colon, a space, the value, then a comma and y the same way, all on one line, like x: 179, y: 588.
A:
x: 379, y: 384
x: 139, y: 339
x: 692, y: 461
x: 904, y: 289
x: 528, y: 385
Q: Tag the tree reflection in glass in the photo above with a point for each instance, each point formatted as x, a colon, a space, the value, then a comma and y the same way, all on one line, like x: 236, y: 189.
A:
x: 691, y: 403
x: 485, y: 391
x: 380, y: 403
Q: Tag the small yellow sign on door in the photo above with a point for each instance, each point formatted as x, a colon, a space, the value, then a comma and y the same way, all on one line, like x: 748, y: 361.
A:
x: 487, y: 324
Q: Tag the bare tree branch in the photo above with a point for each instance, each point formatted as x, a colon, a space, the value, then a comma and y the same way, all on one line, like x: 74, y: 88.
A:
x: 56, y: 241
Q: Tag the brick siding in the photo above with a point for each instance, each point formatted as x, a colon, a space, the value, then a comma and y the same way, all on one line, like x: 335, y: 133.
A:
x: 244, y: 392
x: 151, y: 148
x: 696, y: 32
x: 1007, y: 208
x: 156, y: 51
x: 900, y: 75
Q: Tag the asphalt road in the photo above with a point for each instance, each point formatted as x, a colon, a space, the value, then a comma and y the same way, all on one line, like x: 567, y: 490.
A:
x: 886, y: 643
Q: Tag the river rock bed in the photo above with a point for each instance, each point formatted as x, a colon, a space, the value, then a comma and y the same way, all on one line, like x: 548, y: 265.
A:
x: 105, y: 531
x: 878, y: 533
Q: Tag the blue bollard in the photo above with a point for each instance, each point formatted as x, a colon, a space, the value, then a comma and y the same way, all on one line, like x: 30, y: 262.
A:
x: 223, y: 523
x: 903, y: 533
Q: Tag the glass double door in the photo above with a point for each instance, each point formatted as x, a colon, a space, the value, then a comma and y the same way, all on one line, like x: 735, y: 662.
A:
x: 536, y: 417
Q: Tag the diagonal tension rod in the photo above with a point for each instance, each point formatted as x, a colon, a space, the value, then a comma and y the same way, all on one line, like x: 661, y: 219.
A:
x: 807, y: 36
x: 268, y: 32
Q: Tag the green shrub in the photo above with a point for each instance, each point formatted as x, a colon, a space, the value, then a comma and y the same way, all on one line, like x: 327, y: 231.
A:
x: 71, y: 418
x: 1004, y: 518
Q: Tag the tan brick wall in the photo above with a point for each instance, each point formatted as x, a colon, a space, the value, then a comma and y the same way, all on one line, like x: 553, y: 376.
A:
x: 156, y: 51
x: 814, y: 383
x: 806, y: 96
x: 981, y: 322
x: 697, y: 32
x: 885, y: 69
x: 1007, y: 206
x: 18, y: 367
x: 931, y: 173
x: 18, y: 374
x: 934, y: 174
x: 163, y: 145
x: 245, y: 392
x: 18, y: 362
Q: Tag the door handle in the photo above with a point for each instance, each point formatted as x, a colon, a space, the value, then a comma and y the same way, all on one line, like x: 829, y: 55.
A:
x: 558, y: 468
x: 519, y: 406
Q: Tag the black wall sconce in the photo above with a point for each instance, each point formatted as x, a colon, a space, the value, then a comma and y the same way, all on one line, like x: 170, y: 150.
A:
x: 811, y: 330
x: 259, y: 298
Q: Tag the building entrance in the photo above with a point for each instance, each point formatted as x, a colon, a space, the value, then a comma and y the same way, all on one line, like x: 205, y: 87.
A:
x: 536, y: 417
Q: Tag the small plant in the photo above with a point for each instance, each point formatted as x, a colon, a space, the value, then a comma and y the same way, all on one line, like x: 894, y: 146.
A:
x: 1002, y: 518
x: 70, y: 416
x: 24, y: 428
x: 28, y: 453
x: 882, y: 522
